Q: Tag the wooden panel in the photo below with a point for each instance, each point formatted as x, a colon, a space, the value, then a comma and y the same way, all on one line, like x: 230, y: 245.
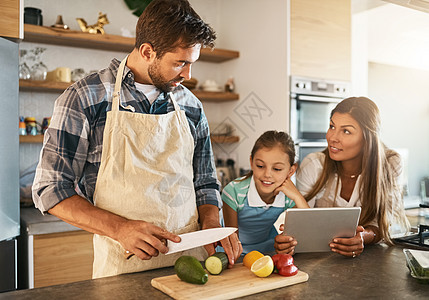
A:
x: 31, y: 138
x: 74, y: 38
x: 43, y: 86
x: 215, y: 96
x: 62, y: 258
x: 10, y: 18
x: 236, y: 282
x: 223, y: 139
x: 321, y: 38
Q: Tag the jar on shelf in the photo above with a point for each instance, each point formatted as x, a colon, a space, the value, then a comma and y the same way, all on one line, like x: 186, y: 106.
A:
x: 45, y: 124
x: 31, y: 126
x: 22, y: 126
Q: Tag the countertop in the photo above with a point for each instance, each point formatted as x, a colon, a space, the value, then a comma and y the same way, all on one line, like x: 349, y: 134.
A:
x: 33, y: 222
x: 379, y: 273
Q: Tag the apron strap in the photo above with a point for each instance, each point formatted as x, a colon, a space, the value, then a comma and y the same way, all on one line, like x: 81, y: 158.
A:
x: 118, y: 83
x: 173, y: 100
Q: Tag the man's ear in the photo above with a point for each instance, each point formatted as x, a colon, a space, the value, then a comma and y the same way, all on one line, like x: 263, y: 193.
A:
x: 292, y: 170
x: 147, y: 53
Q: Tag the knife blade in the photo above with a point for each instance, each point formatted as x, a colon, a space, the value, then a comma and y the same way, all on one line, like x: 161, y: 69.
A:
x: 195, y: 239
x: 199, y: 238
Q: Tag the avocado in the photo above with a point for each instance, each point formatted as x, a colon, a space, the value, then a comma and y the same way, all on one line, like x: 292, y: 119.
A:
x: 189, y: 269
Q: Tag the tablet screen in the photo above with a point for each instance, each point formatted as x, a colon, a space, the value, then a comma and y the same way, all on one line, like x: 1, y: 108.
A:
x: 315, y: 228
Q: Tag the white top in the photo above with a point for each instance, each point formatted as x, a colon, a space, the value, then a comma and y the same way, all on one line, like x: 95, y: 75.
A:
x: 149, y: 90
x: 309, y: 172
x: 307, y: 175
x: 255, y: 200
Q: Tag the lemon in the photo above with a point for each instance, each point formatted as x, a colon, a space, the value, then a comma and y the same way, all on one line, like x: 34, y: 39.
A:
x: 263, y: 267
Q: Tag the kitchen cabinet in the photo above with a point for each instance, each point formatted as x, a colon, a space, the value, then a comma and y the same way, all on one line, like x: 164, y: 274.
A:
x: 11, y: 20
x: 57, y: 36
x: 52, y: 251
x: 320, y: 39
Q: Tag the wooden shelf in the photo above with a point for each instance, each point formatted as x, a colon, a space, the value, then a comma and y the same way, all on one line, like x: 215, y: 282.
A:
x: 43, y: 86
x: 214, y: 138
x: 31, y: 139
x: 59, y: 87
x: 219, y: 139
x: 73, y: 38
x: 215, y: 96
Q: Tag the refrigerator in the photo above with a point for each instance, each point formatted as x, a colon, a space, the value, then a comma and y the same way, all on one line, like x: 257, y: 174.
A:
x: 9, y: 164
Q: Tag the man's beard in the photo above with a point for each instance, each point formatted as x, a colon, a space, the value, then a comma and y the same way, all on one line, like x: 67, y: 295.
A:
x: 159, y: 81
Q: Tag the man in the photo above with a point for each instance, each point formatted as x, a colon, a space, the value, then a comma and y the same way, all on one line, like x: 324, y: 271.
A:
x: 127, y: 155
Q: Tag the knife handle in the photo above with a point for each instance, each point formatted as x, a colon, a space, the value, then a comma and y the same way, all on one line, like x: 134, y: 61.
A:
x: 128, y: 254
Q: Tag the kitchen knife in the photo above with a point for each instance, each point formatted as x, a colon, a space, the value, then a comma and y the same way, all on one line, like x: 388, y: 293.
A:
x: 195, y: 239
x: 199, y: 238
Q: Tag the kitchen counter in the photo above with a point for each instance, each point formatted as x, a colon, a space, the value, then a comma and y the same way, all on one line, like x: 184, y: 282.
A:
x: 379, y: 273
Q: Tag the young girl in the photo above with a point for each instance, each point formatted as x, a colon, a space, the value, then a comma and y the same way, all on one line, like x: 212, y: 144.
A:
x: 254, y: 202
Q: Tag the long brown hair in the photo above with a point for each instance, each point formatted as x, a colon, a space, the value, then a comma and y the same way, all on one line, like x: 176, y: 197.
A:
x: 271, y: 139
x: 380, y: 193
x: 167, y: 24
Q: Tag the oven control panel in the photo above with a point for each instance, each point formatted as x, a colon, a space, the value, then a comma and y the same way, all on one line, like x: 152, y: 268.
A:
x: 319, y: 87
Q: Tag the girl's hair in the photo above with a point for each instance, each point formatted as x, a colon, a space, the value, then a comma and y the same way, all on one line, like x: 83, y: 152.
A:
x: 271, y: 139
x: 380, y: 193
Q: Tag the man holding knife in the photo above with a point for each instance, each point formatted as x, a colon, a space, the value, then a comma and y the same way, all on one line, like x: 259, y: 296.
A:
x: 127, y: 155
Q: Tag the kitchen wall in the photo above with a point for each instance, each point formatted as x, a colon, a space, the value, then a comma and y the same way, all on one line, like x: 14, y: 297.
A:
x: 258, y: 30
x: 402, y: 96
x: 390, y: 65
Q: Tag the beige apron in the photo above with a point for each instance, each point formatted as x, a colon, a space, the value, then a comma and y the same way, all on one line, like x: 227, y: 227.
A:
x: 145, y: 174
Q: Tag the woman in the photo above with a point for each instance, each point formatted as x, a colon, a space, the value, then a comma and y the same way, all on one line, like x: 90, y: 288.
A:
x: 356, y: 169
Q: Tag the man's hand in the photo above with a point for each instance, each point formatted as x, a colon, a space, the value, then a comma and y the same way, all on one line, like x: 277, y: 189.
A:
x: 143, y: 239
x: 209, y: 218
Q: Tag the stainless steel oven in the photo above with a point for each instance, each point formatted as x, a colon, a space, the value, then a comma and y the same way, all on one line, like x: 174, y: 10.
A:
x: 311, y: 103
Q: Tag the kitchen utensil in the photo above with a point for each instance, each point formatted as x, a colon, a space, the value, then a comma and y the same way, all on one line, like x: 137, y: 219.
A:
x: 199, y: 238
x: 236, y: 282
x: 195, y: 239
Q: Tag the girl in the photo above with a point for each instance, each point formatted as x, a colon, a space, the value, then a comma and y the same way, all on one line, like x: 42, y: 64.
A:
x: 356, y: 169
x: 254, y: 202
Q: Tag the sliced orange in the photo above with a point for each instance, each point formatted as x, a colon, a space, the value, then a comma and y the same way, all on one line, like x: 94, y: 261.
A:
x: 263, y: 267
x: 251, y: 257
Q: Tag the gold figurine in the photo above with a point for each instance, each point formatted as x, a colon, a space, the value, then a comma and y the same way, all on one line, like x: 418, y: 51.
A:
x: 96, y: 28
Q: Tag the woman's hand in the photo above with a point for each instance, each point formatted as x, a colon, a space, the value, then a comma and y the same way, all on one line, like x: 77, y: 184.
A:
x: 351, y: 247
x: 284, y: 244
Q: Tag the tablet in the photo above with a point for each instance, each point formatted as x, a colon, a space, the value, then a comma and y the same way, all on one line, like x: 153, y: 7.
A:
x: 315, y: 228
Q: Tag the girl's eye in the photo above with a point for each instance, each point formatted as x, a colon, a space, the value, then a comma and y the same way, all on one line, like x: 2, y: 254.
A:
x: 259, y: 166
x: 277, y: 169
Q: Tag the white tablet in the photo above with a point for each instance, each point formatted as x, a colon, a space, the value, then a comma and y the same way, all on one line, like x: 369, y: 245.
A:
x: 315, y: 228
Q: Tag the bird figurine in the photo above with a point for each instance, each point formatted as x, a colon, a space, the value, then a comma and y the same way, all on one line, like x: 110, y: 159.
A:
x: 96, y: 28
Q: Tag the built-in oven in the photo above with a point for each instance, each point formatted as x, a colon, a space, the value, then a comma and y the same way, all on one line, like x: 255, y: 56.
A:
x: 311, y: 103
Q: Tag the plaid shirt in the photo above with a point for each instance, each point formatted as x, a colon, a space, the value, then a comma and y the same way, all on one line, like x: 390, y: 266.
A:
x: 71, y: 153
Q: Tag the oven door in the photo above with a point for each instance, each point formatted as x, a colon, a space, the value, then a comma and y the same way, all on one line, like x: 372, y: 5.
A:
x: 310, y: 116
x: 305, y: 148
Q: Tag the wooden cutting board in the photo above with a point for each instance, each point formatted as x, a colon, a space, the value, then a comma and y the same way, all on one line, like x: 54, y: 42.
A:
x: 231, y: 283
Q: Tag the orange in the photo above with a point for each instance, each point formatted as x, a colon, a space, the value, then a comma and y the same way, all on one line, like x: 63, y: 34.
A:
x: 251, y: 257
